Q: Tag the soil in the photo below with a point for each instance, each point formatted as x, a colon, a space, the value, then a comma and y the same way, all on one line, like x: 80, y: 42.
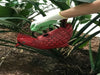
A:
x: 15, y: 61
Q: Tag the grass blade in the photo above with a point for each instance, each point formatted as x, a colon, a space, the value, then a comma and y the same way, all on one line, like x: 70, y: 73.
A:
x: 85, y: 40
x: 91, y: 57
x: 79, y: 39
x: 97, y: 63
x: 86, y: 26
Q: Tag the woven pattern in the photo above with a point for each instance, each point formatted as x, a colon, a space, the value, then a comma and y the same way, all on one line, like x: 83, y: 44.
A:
x: 53, y: 39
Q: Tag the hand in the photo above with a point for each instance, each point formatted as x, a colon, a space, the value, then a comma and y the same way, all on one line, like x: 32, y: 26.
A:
x: 46, y: 22
x: 36, y: 27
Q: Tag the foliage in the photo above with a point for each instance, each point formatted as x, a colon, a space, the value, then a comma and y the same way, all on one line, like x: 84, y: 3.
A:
x: 95, y: 62
x: 89, y: 1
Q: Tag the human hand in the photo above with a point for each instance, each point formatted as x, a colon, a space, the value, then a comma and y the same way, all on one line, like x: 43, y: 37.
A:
x: 39, y: 27
x: 46, y: 22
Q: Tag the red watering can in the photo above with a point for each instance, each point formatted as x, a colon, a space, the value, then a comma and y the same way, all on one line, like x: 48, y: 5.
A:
x: 53, y: 39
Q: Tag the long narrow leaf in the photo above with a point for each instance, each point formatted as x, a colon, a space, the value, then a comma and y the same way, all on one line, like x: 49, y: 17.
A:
x: 6, y: 18
x: 75, y: 29
x: 61, y: 5
x: 7, y: 23
x: 36, y: 5
x: 10, y: 27
x: 74, y: 21
x: 82, y: 37
x: 87, y: 1
x: 91, y: 57
x: 97, y: 63
x: 85, y: 40
x: 86, y: 26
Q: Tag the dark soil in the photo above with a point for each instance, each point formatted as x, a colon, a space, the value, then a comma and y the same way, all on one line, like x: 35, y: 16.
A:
x: 20, y: 62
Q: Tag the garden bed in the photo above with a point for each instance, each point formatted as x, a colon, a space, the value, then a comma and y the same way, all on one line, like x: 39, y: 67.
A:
x: 20, y: 62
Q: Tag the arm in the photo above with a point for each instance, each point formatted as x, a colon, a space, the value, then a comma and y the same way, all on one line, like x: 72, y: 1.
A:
x: 83, y: 9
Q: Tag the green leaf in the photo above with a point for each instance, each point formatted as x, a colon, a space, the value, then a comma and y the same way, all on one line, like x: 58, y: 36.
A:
x: 83, y: 37
x: 7, y: 23
x: 8, y: 18
x: 87, y: 1
x: 86, y: 26
x: 61, y: 0
x: 62, y: 5
x: 97, y: 63
x: 91, y: 57
x: 45, y: 1
x: 6, y: 11
x: 28, y: 5
x: 84, y: 44
x: 86, y: 40
x: 24, y: 13
x: 12, y: 3
x: 68, y: 2
x: 8, y: 0
x: 36, y: 5
x: 97, y: 23
x: 84, y: 19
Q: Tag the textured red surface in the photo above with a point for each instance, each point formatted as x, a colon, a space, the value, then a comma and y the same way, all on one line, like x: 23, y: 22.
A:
x: 54, y: 39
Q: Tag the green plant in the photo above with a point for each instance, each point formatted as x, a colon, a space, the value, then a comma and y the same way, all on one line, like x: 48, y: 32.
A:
x: 95, y: 62
x: 17, y: 16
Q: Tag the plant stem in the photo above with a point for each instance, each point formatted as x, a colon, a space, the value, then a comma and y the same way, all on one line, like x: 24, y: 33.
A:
x: 91, y: 57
